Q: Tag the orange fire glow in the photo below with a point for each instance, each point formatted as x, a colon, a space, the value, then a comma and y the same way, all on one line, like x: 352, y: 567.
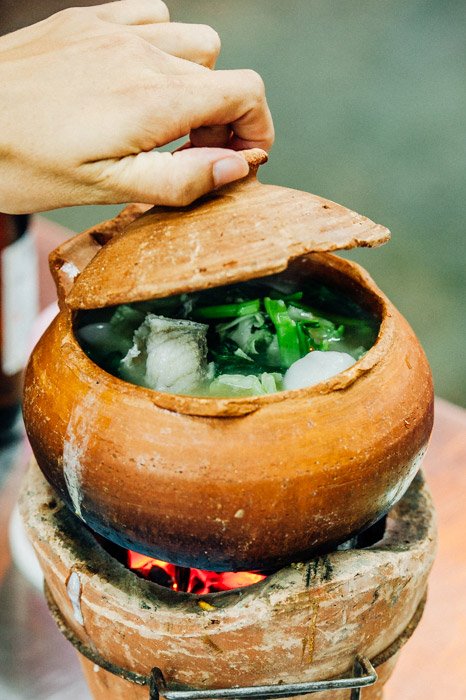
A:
x: 192, y: 580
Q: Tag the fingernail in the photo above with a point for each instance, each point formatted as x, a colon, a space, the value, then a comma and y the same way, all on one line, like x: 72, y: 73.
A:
x: 229, y: 169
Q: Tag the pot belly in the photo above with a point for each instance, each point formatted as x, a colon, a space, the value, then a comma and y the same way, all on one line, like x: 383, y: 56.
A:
x: 297, y: 473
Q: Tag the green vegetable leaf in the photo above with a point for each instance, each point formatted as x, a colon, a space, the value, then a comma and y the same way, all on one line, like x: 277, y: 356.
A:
x: 244, y: 308
x: 287, y: 332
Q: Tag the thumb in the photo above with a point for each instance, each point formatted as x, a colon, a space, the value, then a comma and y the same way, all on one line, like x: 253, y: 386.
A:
x: 173, y: 179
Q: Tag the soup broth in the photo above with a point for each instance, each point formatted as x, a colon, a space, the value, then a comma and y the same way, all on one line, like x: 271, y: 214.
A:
x: 251, y: 338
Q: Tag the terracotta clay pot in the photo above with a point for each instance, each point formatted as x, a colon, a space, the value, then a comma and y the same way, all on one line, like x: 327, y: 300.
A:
x: 225, y: 484
x: 304, y: 623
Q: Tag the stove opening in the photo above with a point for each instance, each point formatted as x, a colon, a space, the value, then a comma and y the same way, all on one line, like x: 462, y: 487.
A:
x: 189, y: 580
x: 200, y: 581
x: 179, y: 578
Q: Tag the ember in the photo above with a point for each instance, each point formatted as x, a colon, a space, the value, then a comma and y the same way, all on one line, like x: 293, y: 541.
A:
x: 179, y: 578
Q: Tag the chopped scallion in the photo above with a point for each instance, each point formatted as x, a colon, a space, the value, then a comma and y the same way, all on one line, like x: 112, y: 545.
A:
x: 287, y: 333
x: 244, y: 308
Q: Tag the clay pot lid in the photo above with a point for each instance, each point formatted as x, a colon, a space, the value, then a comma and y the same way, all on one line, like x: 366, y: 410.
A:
x: 239, y: 232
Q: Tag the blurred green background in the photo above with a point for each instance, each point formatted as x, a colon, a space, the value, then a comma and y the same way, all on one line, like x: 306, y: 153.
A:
x: 369, y: 103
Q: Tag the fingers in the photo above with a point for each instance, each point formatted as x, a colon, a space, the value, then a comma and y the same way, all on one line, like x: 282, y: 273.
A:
x: 150, y: 20
x: 171, y: 179
x: 133, y: 12
x: 235, y: 99
x: 213, y: 136
x: 193, y: 42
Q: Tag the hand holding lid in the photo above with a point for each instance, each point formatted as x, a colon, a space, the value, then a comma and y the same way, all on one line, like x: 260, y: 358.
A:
x: 241, y: 231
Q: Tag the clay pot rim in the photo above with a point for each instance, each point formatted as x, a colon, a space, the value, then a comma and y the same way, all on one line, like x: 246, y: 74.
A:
x: 239, y: 406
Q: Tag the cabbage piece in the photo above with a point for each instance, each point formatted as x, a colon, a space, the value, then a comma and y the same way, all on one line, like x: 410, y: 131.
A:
x: 246, y: 385
x: 167, y: 355
x: 250, y: 333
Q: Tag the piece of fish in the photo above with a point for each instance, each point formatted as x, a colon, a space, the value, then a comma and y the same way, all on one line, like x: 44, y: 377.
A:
x: 167, y: 355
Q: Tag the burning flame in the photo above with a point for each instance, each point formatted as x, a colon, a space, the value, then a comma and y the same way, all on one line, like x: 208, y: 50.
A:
x: 197, y: 581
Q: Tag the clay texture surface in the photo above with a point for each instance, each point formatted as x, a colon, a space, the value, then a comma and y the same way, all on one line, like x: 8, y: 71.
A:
x: 305, y: 622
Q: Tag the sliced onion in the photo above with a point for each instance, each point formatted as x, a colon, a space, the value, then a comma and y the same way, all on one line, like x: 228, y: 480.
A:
x: 316, y: 367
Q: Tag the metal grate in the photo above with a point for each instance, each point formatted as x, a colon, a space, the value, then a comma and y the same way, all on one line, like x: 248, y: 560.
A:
x: 364, y: 675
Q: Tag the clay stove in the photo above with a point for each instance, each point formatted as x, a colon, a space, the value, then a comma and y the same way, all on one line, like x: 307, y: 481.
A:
x: 306, y: 626
x: 318, y: 625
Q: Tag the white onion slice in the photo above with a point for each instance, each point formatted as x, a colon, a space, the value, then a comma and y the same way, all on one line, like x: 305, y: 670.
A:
x: 316, y: 367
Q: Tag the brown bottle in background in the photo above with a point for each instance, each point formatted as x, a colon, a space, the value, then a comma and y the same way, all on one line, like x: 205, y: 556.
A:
x: 18, y: 308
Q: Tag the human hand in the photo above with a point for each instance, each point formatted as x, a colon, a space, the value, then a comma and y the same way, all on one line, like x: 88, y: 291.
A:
x: 89, y: 92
